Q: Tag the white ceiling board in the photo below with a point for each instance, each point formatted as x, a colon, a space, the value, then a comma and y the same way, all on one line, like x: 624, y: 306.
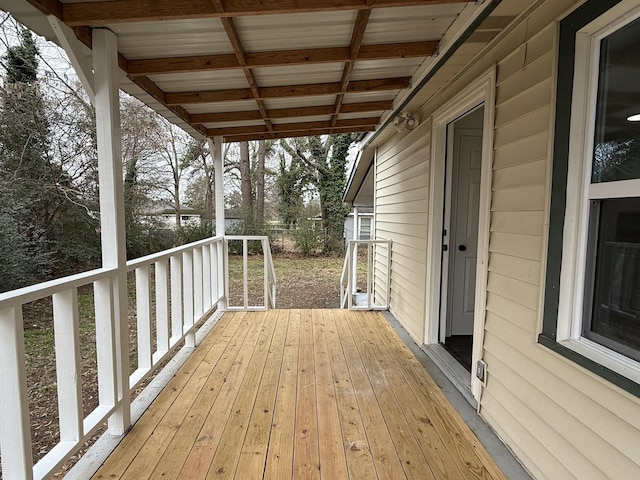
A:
x: 211, y: 80
x: 237, y: 106
x: 299, y: 75
x: 351, y: 116
x: 245, y: 123
x: 317, y: 101
x: 371, y: 69
x: 295, y: 31
x: 319, y: 118
x: 410, y: 24
x: 369, y: 96
x: 172, y: 38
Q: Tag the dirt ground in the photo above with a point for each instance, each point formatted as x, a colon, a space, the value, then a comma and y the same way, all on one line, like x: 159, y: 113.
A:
x: 302, y: 282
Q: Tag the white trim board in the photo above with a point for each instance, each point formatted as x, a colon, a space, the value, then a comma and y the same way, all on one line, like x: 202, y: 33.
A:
x: 480, y: 92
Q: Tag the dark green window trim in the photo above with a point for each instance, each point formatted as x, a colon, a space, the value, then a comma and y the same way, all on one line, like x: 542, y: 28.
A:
x: 569, y: 26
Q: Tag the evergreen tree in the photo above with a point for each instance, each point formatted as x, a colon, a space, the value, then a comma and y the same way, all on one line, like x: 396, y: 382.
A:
x: 53, y: 234
x: 27, y: 209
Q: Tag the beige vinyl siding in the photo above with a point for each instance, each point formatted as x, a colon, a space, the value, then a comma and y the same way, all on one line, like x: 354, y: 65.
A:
x: 562, y: 421
x: 402, y: 177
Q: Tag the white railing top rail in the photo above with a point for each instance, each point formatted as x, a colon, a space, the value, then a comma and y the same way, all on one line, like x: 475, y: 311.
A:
x: 48, y: 288
x: 154, y: 257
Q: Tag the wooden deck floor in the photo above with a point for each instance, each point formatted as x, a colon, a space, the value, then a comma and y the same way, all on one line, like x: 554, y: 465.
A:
x: 301, y: 394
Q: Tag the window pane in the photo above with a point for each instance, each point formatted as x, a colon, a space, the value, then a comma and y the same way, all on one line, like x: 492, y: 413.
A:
x: 617, y: 140
x: 615, y: 318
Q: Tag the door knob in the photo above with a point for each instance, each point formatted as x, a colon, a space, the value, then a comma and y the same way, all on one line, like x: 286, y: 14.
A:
x: 462, y: 248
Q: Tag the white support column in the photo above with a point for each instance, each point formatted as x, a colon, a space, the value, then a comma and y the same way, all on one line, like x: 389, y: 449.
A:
x: 15, y: 434
x: 215, y: 147
x: 107, y: 76
x: 354, y: 265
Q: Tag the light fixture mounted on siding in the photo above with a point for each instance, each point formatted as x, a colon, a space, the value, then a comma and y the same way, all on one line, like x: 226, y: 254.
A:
x: 405, y: 121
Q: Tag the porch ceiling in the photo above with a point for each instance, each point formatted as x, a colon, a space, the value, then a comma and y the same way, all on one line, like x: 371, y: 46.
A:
x: 248, y: 70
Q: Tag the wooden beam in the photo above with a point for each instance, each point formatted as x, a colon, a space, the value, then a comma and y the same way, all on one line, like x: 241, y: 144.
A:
x: 214, y: 96
x: 269, y: 136
x: 156, y: 66
x: 120, y: 11
x: 48, y: 7
x: 290, y: 112
x: 362, y: 19
x: 294, y: 127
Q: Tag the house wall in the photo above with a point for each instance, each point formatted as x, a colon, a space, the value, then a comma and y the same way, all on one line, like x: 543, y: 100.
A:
x: 401, y: 192
x: 562, y: 421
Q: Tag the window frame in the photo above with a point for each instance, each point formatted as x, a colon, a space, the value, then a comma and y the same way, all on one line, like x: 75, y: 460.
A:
x: 572, y: 190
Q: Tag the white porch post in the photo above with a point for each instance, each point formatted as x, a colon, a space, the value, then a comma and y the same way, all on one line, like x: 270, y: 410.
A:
x: 107, y: 77
x: 354, y: 265
x: 215, y: 147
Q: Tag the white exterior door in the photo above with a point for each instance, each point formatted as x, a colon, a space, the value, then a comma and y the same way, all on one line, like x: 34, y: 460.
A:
x: 463, y: 241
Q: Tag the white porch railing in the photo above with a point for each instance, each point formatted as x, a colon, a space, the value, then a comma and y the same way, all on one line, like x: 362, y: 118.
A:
x: 269, y: 273
x: 369, y: 289
x: 174, y: 291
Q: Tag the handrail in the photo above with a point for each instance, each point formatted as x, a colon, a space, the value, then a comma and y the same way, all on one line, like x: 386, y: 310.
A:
x: 377, y: 290
x: 187, y: 282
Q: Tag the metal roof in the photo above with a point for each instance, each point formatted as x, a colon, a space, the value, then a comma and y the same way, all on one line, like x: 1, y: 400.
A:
x: 255, y: 69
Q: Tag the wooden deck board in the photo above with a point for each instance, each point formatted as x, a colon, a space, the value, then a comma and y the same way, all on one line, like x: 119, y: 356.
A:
x: 301, y: 394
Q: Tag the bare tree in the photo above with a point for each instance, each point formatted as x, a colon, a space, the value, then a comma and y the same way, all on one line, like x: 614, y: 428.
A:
x: 262, y: 153
x: 245, y: 178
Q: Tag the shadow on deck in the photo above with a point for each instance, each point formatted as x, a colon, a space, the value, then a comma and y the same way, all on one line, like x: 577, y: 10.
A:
x: 298, y: 394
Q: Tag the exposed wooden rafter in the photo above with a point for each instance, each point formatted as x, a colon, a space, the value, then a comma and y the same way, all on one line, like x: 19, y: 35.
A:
x: 356, y: 43
x: 156, y: 66
x: 214, y: 96
x: 287, y: 134
x: 297, y: 127
x: 290, y: 112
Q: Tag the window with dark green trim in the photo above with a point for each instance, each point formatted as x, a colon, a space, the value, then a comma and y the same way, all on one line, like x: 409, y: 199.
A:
x: 592, y: 290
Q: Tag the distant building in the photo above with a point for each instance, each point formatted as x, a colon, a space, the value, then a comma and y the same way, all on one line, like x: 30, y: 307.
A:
x: 364, y: 226
x: 165, y: 215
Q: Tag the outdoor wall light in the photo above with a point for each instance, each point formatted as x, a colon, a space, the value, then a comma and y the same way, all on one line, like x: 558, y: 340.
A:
x: 405, y: 121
